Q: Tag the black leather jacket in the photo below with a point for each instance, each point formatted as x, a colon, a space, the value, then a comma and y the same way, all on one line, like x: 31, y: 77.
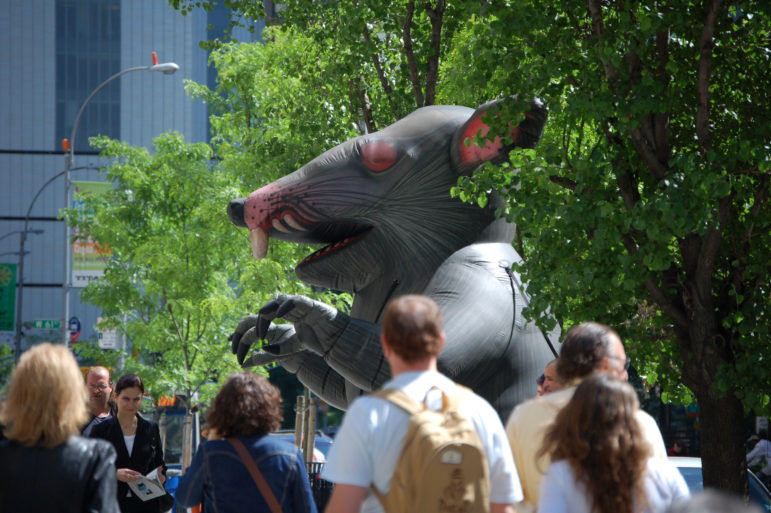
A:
x: 75, y: 477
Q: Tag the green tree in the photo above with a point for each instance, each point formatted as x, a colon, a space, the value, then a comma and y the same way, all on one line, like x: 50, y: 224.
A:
x: 383, y: 56
x: 168, y: 284
x: 646, y: 205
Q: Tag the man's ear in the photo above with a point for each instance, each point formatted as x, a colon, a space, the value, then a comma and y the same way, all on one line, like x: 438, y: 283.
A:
x: 604, y: 365
x: 386, y: 347
x: 467, y: 155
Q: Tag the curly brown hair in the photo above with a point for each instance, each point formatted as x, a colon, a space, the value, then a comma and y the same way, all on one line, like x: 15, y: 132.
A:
x: 597, y: 433
x: 412, y: 326
x: 246, y: 405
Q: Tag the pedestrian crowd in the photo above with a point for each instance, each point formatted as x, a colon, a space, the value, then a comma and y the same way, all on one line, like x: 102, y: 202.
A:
x: 422, y: 443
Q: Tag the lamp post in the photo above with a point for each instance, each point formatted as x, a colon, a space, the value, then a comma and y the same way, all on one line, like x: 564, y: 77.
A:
x: 20, y: 269
x: 68, y: 145
x: 34, y: 230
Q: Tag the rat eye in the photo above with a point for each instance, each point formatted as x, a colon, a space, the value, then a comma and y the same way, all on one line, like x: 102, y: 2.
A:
x: 378, y: 156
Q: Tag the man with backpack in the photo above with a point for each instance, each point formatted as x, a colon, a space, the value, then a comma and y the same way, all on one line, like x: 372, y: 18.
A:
x: 422, y: 443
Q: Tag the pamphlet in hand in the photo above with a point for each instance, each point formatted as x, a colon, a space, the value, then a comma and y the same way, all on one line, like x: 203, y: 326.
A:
x: 148, y: 487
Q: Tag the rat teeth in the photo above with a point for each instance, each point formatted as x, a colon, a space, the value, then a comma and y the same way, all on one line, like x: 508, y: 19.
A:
x: 259, y: 240
x: 292, y: 222
x: 279, y: 226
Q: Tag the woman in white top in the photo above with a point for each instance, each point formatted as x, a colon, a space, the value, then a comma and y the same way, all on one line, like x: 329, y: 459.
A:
x: 600, y: 460
x: 138, y: 443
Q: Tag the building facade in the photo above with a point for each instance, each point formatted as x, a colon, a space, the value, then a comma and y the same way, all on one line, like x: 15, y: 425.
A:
x: 55, y: 53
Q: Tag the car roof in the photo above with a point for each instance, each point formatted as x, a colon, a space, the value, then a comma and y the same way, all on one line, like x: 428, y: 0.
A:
x: 686, y: 461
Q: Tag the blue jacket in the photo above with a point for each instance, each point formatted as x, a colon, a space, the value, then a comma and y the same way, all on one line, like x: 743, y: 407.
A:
x: 218, y: 478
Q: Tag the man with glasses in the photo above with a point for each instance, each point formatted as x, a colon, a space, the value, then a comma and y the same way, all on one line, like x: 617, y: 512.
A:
x: 100, y: 403
x: 588, y: 348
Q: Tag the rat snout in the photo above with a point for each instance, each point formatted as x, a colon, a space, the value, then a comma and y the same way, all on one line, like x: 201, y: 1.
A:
x: 236, y: 212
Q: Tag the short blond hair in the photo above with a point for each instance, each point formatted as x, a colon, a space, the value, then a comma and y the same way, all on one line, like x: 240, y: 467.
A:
x: 46, y: 402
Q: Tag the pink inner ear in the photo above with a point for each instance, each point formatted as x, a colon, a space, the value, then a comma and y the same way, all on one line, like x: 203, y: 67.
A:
x: 378, y: 156
x: 473, y: 154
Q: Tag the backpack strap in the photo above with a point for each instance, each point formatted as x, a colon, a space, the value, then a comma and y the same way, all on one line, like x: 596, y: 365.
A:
x: 259, y: 480
x: 406, y: 403
x: 400, y: 399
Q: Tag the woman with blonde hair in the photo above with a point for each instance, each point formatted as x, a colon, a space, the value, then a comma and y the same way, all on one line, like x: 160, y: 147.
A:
x: 46, y: 466
x: 601, y: 462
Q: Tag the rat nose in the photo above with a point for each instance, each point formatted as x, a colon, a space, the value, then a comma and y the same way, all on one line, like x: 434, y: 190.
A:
x: 236, y: 212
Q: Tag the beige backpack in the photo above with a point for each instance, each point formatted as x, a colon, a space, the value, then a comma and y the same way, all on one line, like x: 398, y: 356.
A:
x: 442, y: 467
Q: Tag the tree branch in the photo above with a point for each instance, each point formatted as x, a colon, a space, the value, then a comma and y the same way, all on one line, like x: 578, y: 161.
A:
x: 665, y: 302
x: 436, y: 15
x: 661, y: 120
x: 595, y: 11
x: 562, y: 181
x: 387, y: 89
x: 643, y: 136
x: 366, y: 108
x: 667, y: 306
x: 520, y: 244
x: 690, y: 245
x: 759, y: 201
x: 627, y: 186
x: 408, y: 52
x: 703, y: 75
x: 179, y: 335
x: 648, y: 154
x: 709, y: 248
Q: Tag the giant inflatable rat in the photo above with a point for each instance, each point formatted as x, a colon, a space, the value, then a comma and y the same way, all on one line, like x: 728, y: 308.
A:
x: 381, y: 203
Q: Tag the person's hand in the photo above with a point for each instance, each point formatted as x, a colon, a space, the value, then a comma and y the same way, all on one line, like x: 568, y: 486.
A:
x: 127, y: 475
x: 161, y: 475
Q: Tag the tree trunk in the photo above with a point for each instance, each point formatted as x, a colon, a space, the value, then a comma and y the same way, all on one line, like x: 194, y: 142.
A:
x: 722, y: 441
x: 187, y: 439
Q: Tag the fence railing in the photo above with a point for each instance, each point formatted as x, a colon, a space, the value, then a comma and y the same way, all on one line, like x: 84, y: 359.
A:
x: 321, y: 488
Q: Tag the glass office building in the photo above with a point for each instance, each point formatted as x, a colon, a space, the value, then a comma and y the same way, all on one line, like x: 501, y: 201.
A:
x: 54, y: 54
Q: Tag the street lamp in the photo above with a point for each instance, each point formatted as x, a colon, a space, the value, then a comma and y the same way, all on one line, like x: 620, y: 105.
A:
x: 68, y: 145
x: 33, y: 230
x: 20, y: 269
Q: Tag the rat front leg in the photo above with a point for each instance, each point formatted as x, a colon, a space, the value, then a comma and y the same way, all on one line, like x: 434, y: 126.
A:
x: 311, y: 370
x: 350, y: 346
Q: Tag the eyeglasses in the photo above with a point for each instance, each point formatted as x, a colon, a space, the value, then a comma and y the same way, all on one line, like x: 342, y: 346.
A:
x: 98, y: 387
x: 627, y: 362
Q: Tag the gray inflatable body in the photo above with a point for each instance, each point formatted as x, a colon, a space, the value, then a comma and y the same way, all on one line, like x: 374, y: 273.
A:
x: 381, y: 203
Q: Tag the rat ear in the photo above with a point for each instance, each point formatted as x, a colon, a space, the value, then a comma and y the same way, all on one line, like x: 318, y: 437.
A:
x: 525, y: 135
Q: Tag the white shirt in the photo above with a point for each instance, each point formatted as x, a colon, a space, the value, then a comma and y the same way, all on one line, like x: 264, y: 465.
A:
x: 762, y: 450
x: 561, y: 493
x: 369, y: 442
x: 129, y: 441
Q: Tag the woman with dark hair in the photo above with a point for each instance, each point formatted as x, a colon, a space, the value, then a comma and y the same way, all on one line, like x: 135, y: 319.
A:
x: 600, y: 460
x: 44, y: 465
x: 138, y: 444
x: 239, y: 468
